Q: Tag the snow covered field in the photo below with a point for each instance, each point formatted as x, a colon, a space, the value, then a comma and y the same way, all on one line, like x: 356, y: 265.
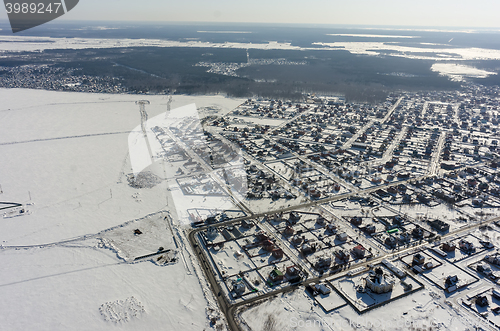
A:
x: 457, y: 72
x: 423, y: 310
x: 67, y: 155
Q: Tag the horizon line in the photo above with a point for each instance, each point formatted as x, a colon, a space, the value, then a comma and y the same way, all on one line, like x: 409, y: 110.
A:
x: 350, y: 25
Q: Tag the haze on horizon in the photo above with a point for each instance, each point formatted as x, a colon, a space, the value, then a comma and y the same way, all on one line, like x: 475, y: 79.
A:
x: 424, y: 13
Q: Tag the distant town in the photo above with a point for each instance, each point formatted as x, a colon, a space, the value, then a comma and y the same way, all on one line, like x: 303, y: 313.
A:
x: 52, y: 78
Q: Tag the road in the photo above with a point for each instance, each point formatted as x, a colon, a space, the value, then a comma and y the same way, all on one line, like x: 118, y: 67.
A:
x: 208, y: 169
x: 391, y: 111
x: 351, y: 140
x: 434, y: 164
x: 230, y: 310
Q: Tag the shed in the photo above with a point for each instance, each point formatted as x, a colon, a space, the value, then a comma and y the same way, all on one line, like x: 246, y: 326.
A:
x: 342, y: 236
x: 276, y: 275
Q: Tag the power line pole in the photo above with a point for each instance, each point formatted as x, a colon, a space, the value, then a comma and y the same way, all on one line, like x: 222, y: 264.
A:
x: 144, y: 119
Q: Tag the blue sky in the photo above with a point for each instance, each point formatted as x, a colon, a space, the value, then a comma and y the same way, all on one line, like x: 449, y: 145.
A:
x: 459, y: 13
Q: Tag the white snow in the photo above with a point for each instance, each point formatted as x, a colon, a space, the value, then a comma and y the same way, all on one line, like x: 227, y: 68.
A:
x: 63, y: 287
x: 68, y: 264
x: 228, y: 31
x: 457, y: 72
x: 360, y: 35
x: 422, y: 53
x: 30, y: 43
x: 423, y: 310
x: 440, y: 52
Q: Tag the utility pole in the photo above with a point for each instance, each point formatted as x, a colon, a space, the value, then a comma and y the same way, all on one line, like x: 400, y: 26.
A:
x: 144, y: 119
x: 169, y: 102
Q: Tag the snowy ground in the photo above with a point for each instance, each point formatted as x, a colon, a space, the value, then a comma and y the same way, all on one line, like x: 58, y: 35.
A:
x: 63, y: 287
x: 423, y: 310
x: 438, y: 52
x: 457, y: 72
x: 67, y: 263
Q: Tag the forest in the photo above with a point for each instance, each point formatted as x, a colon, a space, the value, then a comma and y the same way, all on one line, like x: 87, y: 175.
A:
x: 173, y: 70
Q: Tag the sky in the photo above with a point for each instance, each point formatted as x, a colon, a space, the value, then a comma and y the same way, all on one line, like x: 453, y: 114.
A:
x: 449, y: 13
